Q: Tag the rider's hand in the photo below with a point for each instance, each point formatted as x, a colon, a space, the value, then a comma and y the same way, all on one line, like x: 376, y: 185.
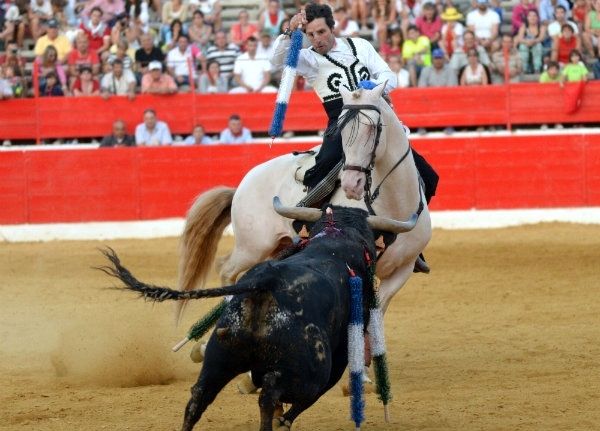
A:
x: 298, y: 20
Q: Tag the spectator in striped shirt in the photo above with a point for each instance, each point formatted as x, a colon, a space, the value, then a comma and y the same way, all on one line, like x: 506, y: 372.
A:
x: 223, y: 53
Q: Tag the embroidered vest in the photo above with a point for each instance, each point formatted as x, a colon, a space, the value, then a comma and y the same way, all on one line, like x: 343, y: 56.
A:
x: 333, y: 73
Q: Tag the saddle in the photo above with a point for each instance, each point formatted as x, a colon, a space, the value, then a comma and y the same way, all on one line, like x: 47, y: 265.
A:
x: 304, y: 161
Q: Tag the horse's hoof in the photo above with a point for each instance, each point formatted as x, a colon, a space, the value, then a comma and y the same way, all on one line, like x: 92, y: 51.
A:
x: 197, y: 353
x: 245, y: 385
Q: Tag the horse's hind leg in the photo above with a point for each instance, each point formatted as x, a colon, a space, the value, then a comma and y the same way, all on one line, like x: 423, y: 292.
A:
x: 213, y: 378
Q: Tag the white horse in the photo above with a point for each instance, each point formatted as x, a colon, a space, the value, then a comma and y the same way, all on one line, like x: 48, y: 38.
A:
x: 260, y: 232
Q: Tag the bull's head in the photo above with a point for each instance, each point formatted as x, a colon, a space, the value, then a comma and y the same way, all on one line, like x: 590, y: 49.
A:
x: 375, y: 222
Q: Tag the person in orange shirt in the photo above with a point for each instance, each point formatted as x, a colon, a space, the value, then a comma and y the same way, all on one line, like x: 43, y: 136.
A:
x: 156, y: 82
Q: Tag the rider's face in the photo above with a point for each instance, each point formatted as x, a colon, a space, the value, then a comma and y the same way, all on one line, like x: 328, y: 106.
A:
x: 320, y: 35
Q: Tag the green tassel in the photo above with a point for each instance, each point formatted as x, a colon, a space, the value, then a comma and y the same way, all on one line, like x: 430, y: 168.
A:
x: 202, y: 326
x: 382, y: 379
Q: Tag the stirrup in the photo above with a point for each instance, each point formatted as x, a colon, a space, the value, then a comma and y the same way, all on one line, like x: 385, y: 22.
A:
x: 323, y: 189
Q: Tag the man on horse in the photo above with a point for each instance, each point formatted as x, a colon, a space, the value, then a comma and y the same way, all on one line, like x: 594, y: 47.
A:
x: 329, y: 63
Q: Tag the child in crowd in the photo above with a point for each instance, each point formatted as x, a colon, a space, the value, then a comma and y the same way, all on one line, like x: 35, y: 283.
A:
x: 5, y: 87
x: 16, y: 82
x: 393, y: 45
x: 551, y: 74
x: 574, y: 71
x: 396, y: 64
x: 86, y: 84
x: 51, y: 86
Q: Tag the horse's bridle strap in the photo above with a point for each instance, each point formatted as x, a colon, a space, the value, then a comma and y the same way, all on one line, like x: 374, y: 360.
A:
x: 367, y: 169
x: 356, y: 168
x: 361, y: 107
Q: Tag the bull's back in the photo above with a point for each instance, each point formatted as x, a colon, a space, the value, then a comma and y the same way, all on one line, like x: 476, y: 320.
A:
x: 293, y: 328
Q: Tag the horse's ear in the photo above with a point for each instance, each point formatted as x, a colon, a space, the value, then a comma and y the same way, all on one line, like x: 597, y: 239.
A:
x: 346, y: 94
x: 379, y: 90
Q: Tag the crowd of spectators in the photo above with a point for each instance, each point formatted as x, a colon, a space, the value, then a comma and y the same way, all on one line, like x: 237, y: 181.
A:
x: 152, y: 132
x: 126, y: 47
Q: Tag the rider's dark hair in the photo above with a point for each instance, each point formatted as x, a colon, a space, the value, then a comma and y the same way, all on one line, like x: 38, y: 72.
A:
x: 314, y: 11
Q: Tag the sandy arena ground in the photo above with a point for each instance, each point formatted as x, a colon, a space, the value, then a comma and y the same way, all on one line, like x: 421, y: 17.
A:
x: 504, y: 334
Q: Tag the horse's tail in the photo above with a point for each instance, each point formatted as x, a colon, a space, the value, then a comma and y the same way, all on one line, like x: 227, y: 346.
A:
x: 160, y: 294
x: 205, y: 222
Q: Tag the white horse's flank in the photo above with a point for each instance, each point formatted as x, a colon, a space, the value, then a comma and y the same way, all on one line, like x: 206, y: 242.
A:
x: 260, y: 232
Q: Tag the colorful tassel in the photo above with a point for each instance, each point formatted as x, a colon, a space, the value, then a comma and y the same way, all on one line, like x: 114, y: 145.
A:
x: 377, y: 341
x: 202, y: 326
x: 356, y: 350
x: 286, y: 84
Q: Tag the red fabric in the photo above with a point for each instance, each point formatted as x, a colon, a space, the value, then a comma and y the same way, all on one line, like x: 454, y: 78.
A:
x: 77, y: 85
x: 449, y: 42
x: 273, y: 17
x: 572, y: 95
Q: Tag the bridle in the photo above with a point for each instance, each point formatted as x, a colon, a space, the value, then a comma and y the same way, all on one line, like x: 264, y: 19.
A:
x: 370, y: 197
x: 367, y: 170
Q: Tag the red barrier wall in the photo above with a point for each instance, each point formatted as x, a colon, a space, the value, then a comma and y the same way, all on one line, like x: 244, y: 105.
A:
x: 42, y: 186
x: 75, y: 117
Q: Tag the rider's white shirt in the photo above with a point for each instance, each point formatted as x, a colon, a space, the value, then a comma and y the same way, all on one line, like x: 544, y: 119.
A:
x: 308, y: 61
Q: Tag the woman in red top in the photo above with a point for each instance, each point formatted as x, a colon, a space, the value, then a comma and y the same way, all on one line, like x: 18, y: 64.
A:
x: 242, y: 30
x: 579, y: 12
x: 429, y: 23
x: 393, y: 45
x: 563, y: 44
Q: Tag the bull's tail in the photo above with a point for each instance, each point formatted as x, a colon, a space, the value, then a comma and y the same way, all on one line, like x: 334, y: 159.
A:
x: 205, y: 222
x: 159, y: 294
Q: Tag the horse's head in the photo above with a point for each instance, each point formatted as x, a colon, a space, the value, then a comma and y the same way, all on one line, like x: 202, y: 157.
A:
x: 360, y: 125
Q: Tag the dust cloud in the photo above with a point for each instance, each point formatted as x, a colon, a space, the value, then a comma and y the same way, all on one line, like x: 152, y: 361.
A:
x: 104, y: 351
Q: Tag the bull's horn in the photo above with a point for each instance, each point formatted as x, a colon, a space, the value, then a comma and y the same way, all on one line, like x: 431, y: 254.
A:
x: 390, y: 225
x: 296, y: 213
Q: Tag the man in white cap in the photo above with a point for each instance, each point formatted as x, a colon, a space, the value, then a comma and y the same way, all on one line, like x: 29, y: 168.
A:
x: 156, y: 82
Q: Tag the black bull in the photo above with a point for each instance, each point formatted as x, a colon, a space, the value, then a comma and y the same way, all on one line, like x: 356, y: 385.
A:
x: 287, y: 322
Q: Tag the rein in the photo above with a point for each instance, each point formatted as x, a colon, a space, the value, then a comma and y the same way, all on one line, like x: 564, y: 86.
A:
x: 370, y: 197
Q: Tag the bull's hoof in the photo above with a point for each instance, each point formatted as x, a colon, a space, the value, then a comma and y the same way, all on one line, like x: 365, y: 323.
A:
x: 245, y: 385
x: 197, y: 353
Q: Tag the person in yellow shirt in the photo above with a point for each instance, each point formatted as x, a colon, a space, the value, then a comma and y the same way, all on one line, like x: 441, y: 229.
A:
x: 416, y: 52
x: 53, y: 37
